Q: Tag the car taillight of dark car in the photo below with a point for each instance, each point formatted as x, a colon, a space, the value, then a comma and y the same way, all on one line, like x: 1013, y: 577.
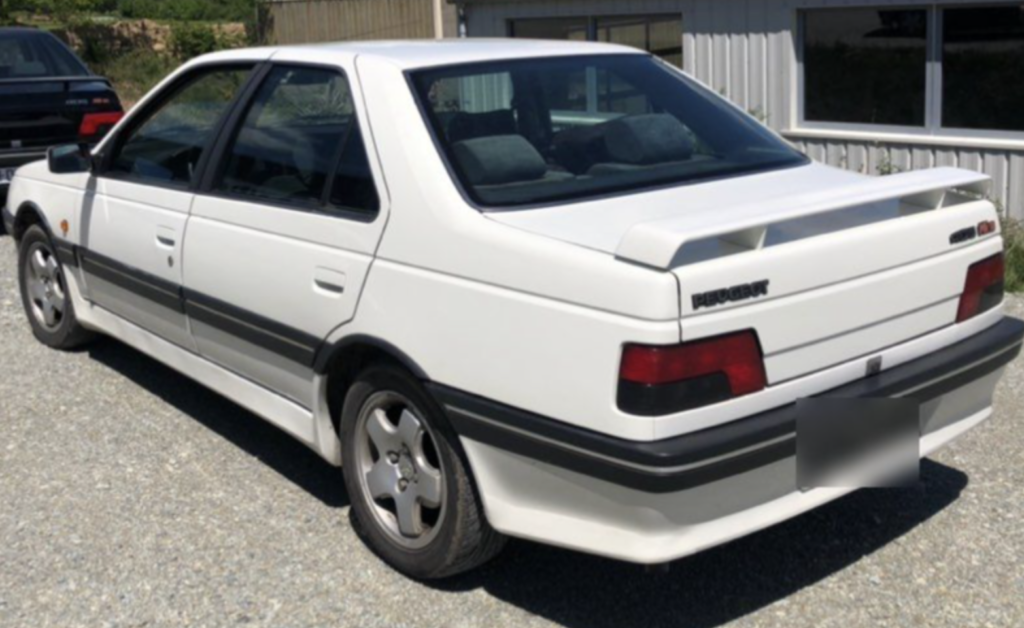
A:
x: 95, y: 125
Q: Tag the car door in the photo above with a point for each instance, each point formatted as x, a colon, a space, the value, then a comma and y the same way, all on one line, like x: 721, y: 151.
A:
x: 135, y: 213
x: 284, y: 228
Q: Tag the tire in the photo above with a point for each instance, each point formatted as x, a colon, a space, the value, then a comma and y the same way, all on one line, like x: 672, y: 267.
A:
x: 412, y: 464
x: 44, y: 293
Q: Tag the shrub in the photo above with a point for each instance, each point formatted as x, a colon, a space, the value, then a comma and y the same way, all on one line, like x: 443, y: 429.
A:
x: 62, y: 10
x: 185, y: 10
x: 135, y: 73
x: 189, y: 39
x: 1013, y: 241
x: 94, y: 47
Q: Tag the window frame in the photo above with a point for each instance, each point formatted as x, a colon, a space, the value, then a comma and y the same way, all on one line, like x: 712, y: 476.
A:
x: 153, y: 103
x: 933, y: 127
x: 232, y: 125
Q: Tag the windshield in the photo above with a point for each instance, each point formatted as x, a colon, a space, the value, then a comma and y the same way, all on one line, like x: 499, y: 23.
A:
x: 31, y: 54
x: 536, y: 131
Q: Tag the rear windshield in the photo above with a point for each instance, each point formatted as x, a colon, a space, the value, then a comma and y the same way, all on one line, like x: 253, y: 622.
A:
x: 29, y: 54
x: 537, y: 131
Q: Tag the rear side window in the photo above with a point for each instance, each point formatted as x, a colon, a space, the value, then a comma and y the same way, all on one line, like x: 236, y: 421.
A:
x: 299, y: 144
x: 32, y: 54
x: 167, y: 145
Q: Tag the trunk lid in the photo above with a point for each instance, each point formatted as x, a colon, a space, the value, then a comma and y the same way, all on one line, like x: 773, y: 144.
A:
x: 43, y: 112
x: 825, y: 265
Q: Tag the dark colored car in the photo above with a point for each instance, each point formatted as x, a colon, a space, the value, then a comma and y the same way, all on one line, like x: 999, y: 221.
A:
x: 48, y: 97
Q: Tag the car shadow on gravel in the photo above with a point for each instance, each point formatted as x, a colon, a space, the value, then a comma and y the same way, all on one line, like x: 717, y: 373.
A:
x: 581, y: 591
x: 276, y: 449
x: 721, y: 584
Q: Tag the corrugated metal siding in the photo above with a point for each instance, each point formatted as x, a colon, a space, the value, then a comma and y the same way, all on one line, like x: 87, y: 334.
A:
x: 1005, y: 167
x: 304, y: 21
x: 745, y: 50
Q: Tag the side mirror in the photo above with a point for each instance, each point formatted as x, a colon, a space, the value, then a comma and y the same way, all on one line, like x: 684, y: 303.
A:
x: 69, y: 159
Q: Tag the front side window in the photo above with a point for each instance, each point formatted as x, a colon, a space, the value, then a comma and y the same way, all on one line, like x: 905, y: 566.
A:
x: 865, y: 66
x: 542, y: 130
x: 299, y: 143
x: 982, y: 67
x: 167, y: 144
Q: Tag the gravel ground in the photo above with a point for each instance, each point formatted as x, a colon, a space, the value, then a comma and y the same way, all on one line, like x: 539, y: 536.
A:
x: 131, y: 496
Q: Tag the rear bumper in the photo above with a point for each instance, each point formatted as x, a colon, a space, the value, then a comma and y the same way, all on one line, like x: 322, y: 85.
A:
x: 708, y: 455
x: 657, y: 501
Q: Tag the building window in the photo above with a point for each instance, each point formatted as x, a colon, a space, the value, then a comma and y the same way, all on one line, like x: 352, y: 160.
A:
x: 571, y: 28
x: 865, y: 65
x: 930, y: 69
x: 983, y: 68
x: 661, y: 35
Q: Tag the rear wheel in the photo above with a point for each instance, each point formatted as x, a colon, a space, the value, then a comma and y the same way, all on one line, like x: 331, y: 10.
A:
x: 44, y: 293
x: 413, y: 500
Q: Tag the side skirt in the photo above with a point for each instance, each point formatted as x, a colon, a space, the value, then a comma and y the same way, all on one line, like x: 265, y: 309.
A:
x: 297, y: 421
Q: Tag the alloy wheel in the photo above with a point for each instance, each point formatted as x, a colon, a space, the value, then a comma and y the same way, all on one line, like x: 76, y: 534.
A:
x: 400, y: 472
x: 44, y: 282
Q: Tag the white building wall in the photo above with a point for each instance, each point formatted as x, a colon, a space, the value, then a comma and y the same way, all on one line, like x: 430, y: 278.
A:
x: 746, y: 50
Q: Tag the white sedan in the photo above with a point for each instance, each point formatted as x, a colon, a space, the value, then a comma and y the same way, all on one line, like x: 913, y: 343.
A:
x: 557, y: 291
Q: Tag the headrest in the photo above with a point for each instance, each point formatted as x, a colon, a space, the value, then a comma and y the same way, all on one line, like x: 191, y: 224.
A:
x: 499, y: 159
x: 648, y: 139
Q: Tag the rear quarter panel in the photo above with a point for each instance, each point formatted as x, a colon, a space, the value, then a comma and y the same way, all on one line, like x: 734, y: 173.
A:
x: 490, y: 309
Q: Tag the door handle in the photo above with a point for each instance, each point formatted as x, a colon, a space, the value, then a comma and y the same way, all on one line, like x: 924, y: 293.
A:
x: 328, y: 280
x: 166, y: 237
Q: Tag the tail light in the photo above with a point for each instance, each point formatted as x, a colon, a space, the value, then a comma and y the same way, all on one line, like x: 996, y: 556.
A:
x: 96, y: 125
x: 655, y: 380
x: 983, y: 289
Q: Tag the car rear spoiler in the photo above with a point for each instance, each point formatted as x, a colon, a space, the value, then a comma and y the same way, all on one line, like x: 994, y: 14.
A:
x: 657, y: 243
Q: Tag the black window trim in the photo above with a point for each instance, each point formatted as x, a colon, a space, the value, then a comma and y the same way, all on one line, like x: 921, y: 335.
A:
x: 933, y: 127
x: 470, y: 199
x: 114, y: 144
x: 232, y: 124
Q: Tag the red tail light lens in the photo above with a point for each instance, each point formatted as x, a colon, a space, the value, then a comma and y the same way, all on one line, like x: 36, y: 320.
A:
x: 983, y: 289
x: 664, y: 379
x: 96, y: 125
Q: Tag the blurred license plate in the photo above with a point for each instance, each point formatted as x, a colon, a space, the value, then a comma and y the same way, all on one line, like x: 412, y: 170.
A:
x: 6, y: 174
x: 856, y: 443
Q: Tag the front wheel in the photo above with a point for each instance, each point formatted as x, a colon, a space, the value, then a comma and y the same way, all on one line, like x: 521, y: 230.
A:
x: 413, y: 500
x: 44, y: 293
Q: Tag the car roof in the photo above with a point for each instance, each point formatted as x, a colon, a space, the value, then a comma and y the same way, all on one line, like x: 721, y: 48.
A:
x: 24, y: 31
x: 412, y: 54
